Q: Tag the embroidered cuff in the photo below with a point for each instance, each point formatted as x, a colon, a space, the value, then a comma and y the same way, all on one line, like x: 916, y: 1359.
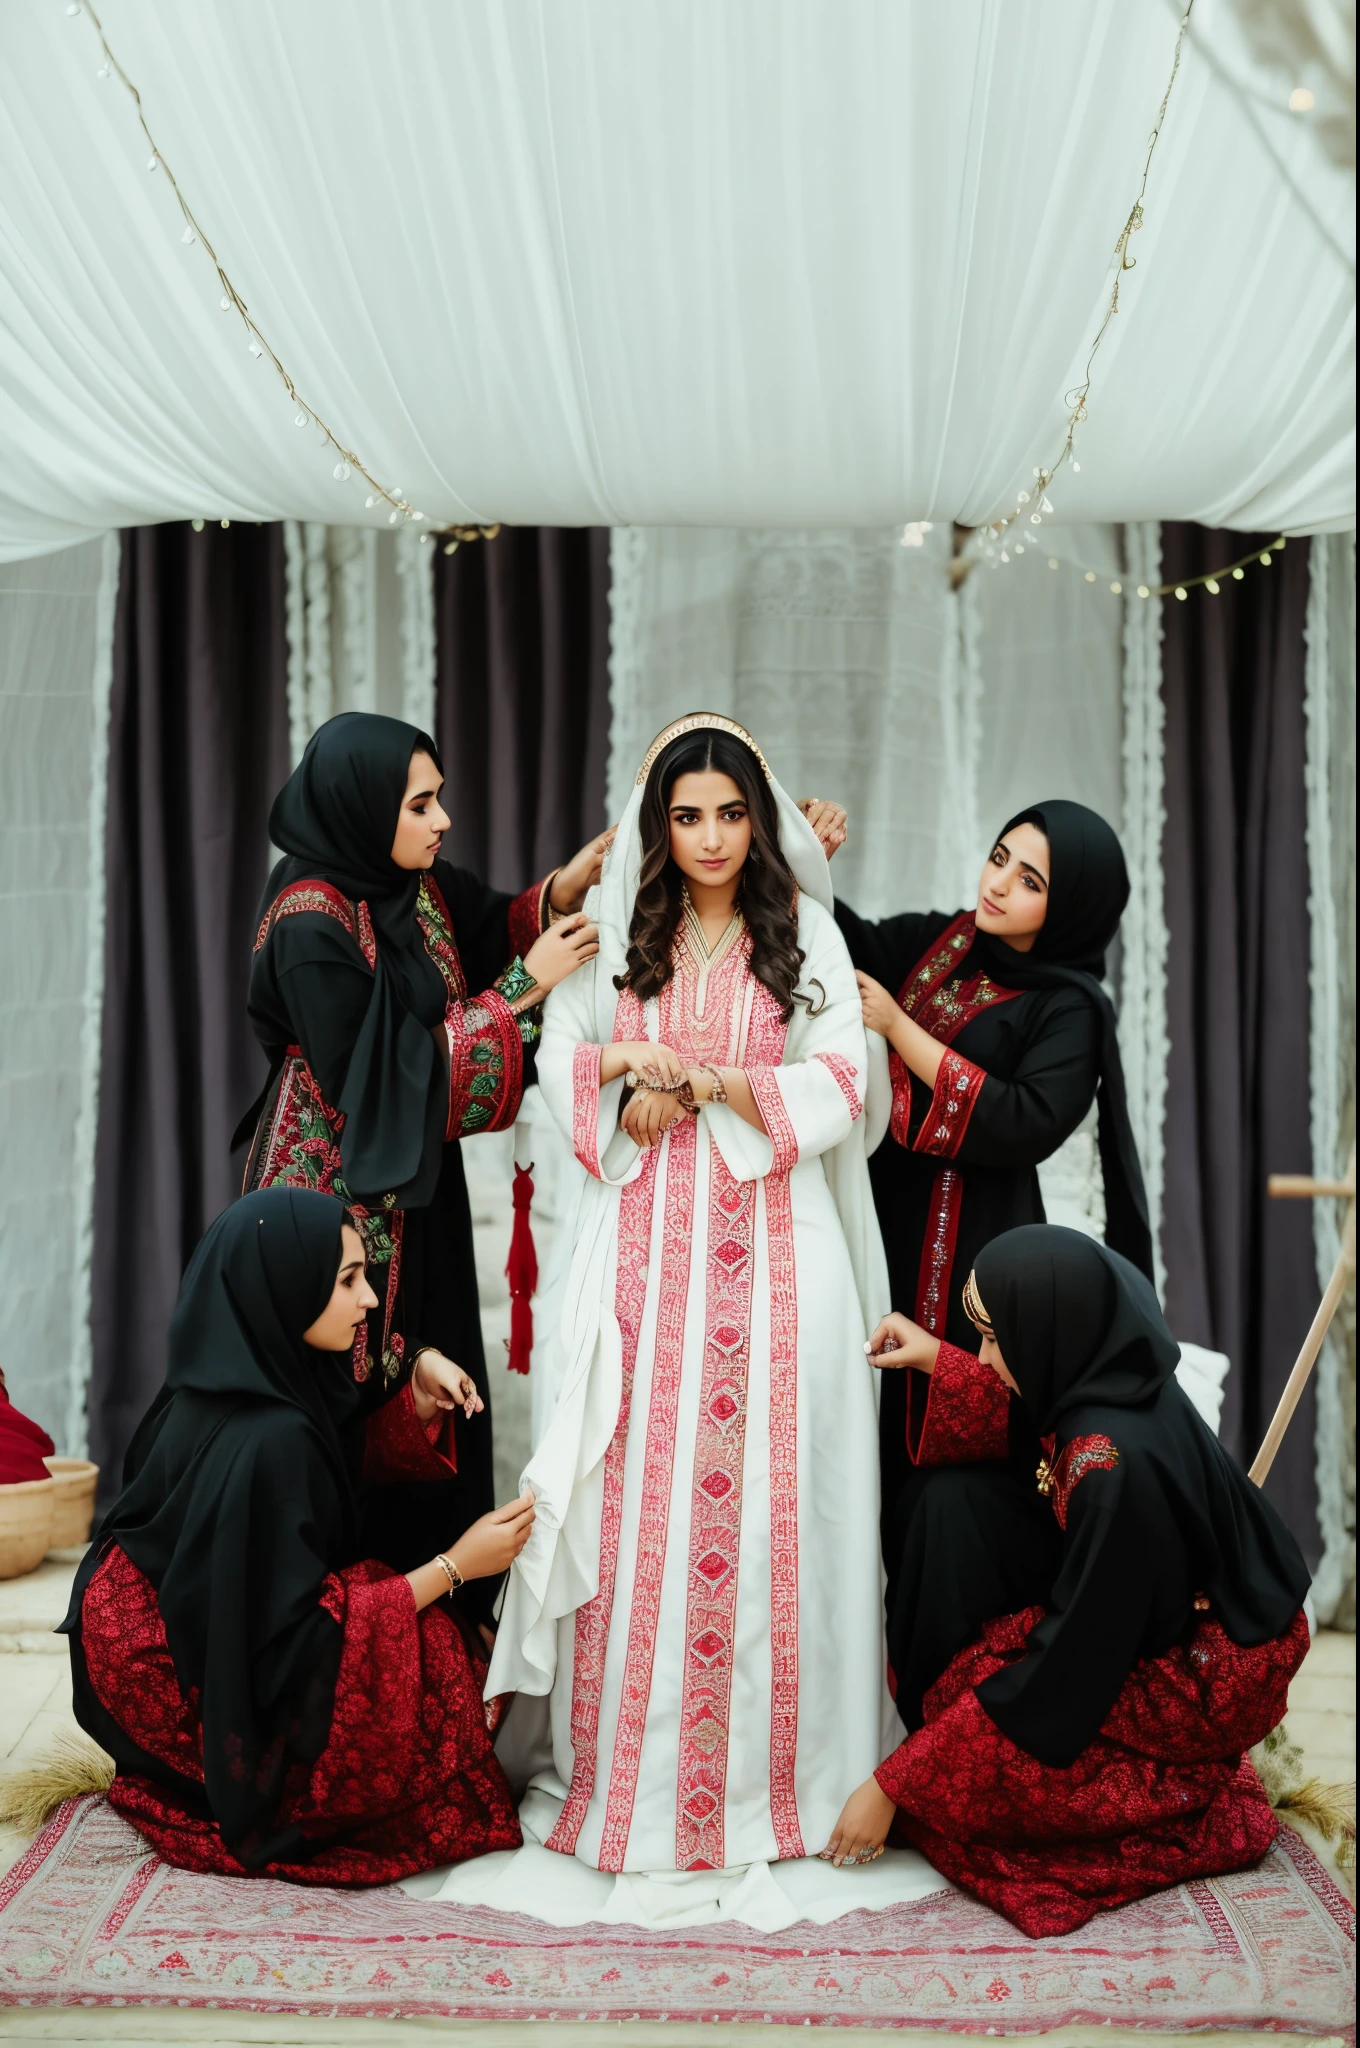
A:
x: 957, y: 1087
x: 963, y: 1415
x: 486, y: 1065
x: 843, y: 1073
x: 585, y: 1106
x: 527, y: 917
x: 899, y: 1073
x: 774, y: 1115
x: 892, y: 1774
x: 397, y: 1444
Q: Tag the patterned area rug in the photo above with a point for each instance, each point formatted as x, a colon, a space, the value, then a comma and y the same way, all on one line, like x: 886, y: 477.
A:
x: 88, y: 1918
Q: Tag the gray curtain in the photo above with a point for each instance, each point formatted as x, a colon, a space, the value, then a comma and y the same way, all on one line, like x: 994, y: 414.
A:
x: 1240, y: 1272
x: 198, y: 743
x: 522, y: 660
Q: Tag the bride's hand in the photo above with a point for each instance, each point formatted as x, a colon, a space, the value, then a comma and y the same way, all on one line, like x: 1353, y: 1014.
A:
x: 880, y: 1010
x: 640, y: 1056
x: 647, y: 1116
x: 860, y: 1833
x: 827, y: 821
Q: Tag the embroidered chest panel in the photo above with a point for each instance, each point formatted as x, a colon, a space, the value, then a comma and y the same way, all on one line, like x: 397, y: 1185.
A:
x: 706, y: 1008
x: 323, y: 899
x: 436, y: 926
x: 1059, y: 1477
x: 940, y: 999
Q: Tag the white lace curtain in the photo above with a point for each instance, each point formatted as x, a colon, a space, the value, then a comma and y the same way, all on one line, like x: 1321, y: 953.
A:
x: 56, y: 655
x: 360, y: 625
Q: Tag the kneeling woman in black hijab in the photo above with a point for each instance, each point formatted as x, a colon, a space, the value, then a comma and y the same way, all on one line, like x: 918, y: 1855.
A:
x: 1134, y: 1618
x: 276, y: 1704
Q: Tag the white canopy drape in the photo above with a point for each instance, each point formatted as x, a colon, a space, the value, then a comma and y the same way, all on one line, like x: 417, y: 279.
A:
x: 786, y: 262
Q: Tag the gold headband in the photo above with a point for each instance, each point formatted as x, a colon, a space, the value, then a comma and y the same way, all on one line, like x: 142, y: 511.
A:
x: 973, y: 1309
x: 700, y: 721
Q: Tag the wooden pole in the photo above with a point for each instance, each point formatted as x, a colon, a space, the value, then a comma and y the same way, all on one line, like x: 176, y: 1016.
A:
x: 1301, y: 1185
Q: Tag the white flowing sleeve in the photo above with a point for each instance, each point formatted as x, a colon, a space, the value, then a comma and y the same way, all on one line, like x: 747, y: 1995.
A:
x: 812, y: 1100
x: 568, y: 1066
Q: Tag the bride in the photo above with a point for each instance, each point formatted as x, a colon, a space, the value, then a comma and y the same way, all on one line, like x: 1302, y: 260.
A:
x: 700, y: 1594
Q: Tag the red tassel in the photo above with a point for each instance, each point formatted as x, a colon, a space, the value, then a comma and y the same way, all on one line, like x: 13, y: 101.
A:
x: 521, y: 1270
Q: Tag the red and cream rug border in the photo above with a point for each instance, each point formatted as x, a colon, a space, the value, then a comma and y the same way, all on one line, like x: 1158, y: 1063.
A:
x: 88, y: 1918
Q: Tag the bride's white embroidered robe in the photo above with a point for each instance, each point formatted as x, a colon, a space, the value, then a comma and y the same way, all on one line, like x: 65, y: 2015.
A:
x: 708, y: 1490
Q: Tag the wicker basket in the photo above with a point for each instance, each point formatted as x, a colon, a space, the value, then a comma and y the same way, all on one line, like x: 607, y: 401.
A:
x: 73, y: 1508
x: 25, y: 1525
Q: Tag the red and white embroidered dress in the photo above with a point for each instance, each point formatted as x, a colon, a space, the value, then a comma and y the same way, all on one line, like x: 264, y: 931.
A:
x: 702, y: 1592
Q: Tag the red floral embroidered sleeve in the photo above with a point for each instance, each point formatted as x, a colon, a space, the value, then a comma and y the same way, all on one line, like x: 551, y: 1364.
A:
x: 398, y: 1445
x: 962, y: 1415
x: 585, y: 1107
x: 486, y: 1060
x: 958, y: 1085
x: 529, y: 915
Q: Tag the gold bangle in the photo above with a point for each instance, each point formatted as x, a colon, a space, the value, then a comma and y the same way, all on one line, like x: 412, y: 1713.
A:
x: 717, y: 1085
x: 450, y: 1571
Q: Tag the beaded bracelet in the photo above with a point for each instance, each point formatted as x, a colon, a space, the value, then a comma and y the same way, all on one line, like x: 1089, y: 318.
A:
x: 450, y: 1570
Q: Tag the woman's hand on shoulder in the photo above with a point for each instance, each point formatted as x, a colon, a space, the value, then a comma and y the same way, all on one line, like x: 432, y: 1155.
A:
x: 561, y: 950
x: 899, y: 1341
x: 581, y: 872
x: 880, y: 1009
x: 827, y: 820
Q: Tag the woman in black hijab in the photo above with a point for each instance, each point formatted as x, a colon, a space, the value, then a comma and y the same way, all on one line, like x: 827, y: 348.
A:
x: 1086, y: 1746
x: 276, y: 1705
x: 364, y: 993
x: 1000, y: 1038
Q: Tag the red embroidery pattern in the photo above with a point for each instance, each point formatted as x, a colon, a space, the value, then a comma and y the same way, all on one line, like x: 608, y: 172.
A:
x: 397, y: 1444
x: 527, y: 917
x: 958, y: 1084
x: 592, y: 1620
x: 767, y: 1037
x: 937, y: 1251
x: 327, y: 901
x: 1059, y: 1476
x: 407, y: 1780
x: 658, y: 1469
x: 941, y: 1010
x: 436, y: 927
x: 1162, y: 1796
x: 775, y: 1116
x: 846, y: 1079
x: 486, y: 1065
x: 715, y: 1524
x: 585, y: 1106
x: 966, y: 1415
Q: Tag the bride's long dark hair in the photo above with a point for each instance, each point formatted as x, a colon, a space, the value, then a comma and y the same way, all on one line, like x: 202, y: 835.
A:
x: 768, y: 891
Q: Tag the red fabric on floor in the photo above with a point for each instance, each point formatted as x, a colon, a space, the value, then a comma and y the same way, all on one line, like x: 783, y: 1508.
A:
x: 1162, y: 1796
x: 23, y: 1445
x: 407, y: 1780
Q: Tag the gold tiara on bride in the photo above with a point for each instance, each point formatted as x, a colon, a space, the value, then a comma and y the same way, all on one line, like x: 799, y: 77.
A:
x: 700, y: 721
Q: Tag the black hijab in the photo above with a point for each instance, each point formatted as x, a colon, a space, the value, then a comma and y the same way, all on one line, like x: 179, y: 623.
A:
x: 1172, y: 1517
x: 1088, y: 888
x: 239, y: 1498
x: 335, y: 818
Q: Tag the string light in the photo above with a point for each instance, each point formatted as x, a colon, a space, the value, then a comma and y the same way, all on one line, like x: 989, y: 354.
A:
x: 1301, y: 101
x: 1209, y: 580
x: 1077, y: 397
x: 259, y: 346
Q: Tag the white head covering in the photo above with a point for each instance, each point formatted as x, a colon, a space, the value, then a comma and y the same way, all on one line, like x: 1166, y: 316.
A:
x: 612, y: 907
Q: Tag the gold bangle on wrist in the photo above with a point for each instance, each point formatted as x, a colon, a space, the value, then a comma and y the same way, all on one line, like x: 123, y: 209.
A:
x: 450, y: 1571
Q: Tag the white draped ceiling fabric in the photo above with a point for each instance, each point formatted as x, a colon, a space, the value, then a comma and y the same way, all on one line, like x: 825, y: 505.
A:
x: 788, y: 263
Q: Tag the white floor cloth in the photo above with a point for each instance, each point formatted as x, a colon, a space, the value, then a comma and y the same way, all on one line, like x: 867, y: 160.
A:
x: 565, y: 1892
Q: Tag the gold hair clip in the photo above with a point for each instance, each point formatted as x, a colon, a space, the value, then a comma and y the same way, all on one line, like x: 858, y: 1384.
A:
x: 973, y: 1309
x: 700, y: 721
